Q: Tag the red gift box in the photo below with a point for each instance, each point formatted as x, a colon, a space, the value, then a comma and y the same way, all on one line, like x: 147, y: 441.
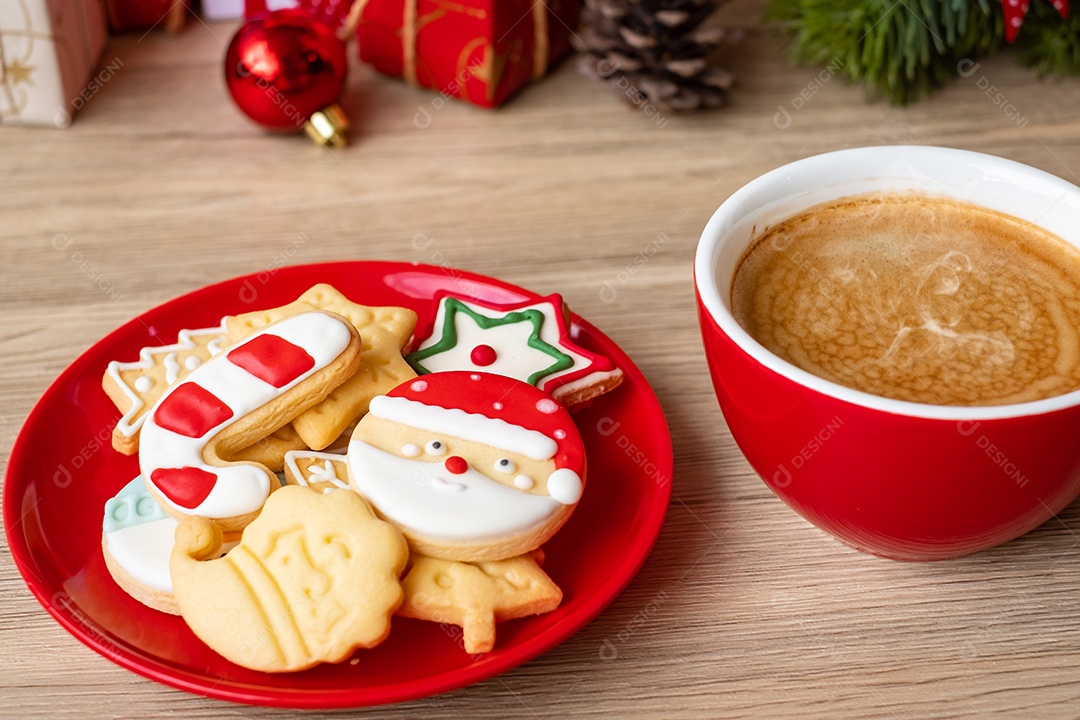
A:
x: 135, y: 15
x: 478, y: 50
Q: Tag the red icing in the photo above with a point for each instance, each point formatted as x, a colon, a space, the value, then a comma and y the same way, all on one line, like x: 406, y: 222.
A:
x: 518, y: 406
x: 185, y: 486
x: 191, y: 410
x: 483, y: 355
x: 456, y: 464
x: 272, y: 359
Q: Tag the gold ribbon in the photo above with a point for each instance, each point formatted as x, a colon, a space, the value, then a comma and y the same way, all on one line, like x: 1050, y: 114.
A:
x: 408, y: 41
x: 540, y: 38
x: 409, y: 29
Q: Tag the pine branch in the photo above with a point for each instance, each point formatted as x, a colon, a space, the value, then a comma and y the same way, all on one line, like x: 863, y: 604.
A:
x: 1048, y: 43
x: 899, y: 49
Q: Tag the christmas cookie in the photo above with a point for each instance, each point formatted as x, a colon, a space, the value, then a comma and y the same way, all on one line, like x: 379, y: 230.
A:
x: 384, y: 331
x: 314, y: 577
x: 270, y: 450
x: 137, y: 539
x: 470, y: 466
x: 134, y: 387
x: 322, y: 472
x: 474, y: 596
x: 530, y: 341
x: 231, y: 401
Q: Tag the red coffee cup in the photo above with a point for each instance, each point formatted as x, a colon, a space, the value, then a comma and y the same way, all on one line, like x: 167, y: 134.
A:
x: 898, y: 479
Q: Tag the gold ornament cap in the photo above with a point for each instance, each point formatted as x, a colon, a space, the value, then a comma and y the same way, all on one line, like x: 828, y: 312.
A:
x: 328, y: 126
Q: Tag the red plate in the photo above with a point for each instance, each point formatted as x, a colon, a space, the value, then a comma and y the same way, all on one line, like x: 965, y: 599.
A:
x: 63, y: 469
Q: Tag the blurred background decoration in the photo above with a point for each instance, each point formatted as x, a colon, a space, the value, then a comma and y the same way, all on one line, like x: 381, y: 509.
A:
x: 663, y: 54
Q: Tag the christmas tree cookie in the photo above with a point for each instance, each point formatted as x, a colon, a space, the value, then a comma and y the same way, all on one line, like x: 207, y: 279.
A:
x: 474, y: 596
x: 135, y: 386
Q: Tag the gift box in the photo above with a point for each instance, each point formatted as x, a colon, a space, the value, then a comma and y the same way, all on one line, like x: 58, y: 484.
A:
x: 233, y: 9
x: 477, y: 50
x: 49, y: 50
x: 140, y: 15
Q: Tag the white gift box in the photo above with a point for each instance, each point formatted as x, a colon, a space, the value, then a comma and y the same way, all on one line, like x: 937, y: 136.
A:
x: 49, y: 50
x: 232, y: 9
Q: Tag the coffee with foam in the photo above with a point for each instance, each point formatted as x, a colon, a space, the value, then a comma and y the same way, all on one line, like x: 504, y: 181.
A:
x: 916, y: 298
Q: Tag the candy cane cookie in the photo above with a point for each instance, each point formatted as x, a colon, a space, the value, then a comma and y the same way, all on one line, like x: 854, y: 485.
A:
x: 233, y: 400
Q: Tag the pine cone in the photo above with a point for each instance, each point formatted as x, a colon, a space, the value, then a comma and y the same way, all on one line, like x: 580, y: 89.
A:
x: 652, y: 51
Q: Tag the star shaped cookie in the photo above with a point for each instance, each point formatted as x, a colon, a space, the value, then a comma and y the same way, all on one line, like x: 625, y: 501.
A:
x: 531, y: 341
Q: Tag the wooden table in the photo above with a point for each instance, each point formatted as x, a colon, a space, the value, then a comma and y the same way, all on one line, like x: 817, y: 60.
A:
x: 742, y: 608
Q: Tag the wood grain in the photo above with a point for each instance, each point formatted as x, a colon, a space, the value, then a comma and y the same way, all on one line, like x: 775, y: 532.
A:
x: 743, y: 609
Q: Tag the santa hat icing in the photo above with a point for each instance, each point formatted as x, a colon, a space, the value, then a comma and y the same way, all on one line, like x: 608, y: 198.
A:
x: 494, y: 410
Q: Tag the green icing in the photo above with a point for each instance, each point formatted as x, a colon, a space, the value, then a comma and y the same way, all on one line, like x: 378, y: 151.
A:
x: 449, y: 339
x: 131, y: 506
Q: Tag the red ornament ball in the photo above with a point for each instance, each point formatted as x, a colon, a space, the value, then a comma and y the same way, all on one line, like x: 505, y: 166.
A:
x: 282, y: 67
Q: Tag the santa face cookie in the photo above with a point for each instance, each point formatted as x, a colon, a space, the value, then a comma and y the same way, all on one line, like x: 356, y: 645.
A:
x: 469, y: 466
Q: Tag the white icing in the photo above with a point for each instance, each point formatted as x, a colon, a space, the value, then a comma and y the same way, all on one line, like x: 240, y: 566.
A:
x: 435, y: 447
x: 565, y: 486
x: 424, y: 498
x: 467, y: 426
x: 560, y: 434
x: 143, y: 384
x: 448, y: 485
x: 324, y: 474
x: 411, y: 450
x: 523, y: 482
x: 419, y: 385
x: 513, y: 354
x: 143, y: 551
x: 172, y: 369
x: 129, y: 424
x: 241, y: 488
x: 497, y: 406
x: 547, y: 406
x: 192, y: 362
x: 514, y: 357
x: 214, y: 346
x: 505, y: 465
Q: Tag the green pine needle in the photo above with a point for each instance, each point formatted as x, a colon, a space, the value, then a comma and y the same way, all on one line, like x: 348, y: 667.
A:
x: 1048, y: 43
x: 900, y: 49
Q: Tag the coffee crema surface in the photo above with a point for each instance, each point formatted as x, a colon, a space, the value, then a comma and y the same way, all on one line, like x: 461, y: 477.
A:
x: 916, y: 298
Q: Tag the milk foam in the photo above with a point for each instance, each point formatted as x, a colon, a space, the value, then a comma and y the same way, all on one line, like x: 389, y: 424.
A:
x: 916, y: 298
